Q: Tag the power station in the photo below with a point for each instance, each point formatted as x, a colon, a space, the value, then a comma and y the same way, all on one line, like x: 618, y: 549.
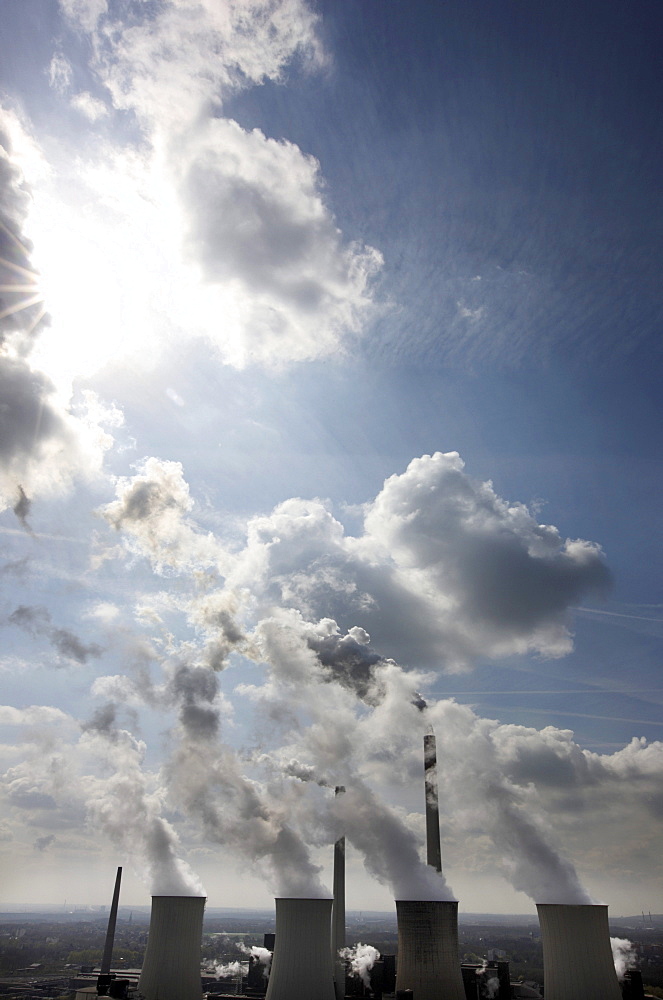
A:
x: 310, y: 933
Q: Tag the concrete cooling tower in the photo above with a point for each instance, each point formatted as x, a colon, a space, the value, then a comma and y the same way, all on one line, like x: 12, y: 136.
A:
x: 302, y: 967
x: 428, y: 962
x: 171, y: 970
x: 577, y: 957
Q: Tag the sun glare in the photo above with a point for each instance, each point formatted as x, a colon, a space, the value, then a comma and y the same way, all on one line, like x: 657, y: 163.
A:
x: 19, y: 286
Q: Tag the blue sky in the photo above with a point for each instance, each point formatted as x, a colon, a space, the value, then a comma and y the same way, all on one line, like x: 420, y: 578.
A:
x: 277, y: 255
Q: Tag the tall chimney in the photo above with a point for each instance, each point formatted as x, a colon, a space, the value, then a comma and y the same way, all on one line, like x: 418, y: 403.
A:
x: 171, y: 969
x: 577, y: 957
x: 302, y: 967
x: 104, y: 978
x: 433, y: 849
x: 428, y: 961
x: 338, y: 912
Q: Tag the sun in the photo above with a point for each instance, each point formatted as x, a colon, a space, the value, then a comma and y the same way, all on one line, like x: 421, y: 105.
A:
x: 20, y: 287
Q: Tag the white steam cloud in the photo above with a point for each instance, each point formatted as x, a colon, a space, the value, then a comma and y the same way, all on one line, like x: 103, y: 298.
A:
x: 339, y: 711
x: 361, y: 958
x: 624, y: 955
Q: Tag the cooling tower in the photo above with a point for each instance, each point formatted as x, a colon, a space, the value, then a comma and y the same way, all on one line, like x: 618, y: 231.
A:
x: 302, y: 967
x: 577, y: 957
x: 428, y: 962
x: 171, y: 970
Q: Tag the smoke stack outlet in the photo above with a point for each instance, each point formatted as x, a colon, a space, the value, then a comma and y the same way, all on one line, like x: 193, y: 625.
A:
x: 171, y: 970
x: 428, y: 962
x: 577, y: 957
x: 302, y: 967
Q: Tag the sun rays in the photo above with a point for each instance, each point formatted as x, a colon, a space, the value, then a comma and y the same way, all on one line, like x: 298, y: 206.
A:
x: 22, y: 284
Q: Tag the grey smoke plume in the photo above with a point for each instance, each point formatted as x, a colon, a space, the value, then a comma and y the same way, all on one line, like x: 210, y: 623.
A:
x: 472, y: 770
x: 43, y: 843
x: 22, y: 507
x: 390, y: 849
x: 531, y: 862
x: 37, y: 621
x: 349, y: 658
x: 205, y: 779
x: 291, y: 768
x: 103, y: 722
x: 304, y: 772
x: 128, y: 811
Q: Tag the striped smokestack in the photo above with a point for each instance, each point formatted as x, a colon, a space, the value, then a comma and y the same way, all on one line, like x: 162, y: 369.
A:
x: 433, y: 848
x: 338, y: 912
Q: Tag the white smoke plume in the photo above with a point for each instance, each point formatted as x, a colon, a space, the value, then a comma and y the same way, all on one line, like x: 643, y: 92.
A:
x: 390, y: 850
x: 362, y: 958
x: 346, y: 713
x: 205, y: 780
x: 473, y: 774
x: 262, y: 955
x: 624, y: 955
x: 490, y: 984
x: 225, y: 971
x: 299, y: 681
x: 127, y: 810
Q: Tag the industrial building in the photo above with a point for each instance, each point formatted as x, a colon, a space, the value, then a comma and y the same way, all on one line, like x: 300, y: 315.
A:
x: 578, y: 963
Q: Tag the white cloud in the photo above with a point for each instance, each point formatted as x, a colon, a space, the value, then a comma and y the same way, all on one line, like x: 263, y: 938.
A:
x: 84, y: 13
x: 243, y: 249
x: 35, y: 715
x: 90, y: 107
x: 168, y: 64
x: 258, y: 226
x: 60, y: 73
x: 444, y: 571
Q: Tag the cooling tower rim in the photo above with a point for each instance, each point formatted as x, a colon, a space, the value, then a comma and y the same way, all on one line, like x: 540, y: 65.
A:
x: 180, y: 895
x: 575, y: 906
x: 323, y: 899
x: 428, y: 902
